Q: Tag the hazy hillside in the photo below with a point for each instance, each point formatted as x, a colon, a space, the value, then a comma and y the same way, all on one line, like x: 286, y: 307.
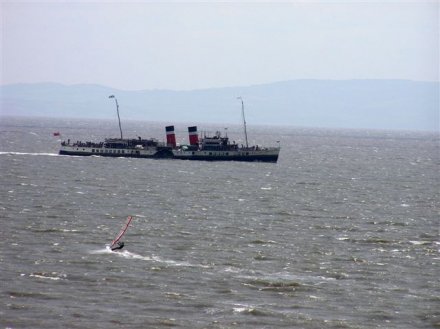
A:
x: 377, y: 104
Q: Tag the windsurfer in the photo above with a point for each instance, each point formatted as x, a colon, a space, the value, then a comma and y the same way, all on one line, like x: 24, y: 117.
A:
x: 116, y: 243
x: 117, y: 246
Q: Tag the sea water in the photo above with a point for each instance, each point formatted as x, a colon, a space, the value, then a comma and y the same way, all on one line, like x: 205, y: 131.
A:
x: 343, y: 232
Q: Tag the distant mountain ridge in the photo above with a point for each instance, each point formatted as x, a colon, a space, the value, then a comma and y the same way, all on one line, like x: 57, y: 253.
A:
x: 370, y: 104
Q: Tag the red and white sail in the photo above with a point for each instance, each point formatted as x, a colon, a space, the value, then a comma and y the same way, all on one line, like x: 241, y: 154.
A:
x: 123, y: 230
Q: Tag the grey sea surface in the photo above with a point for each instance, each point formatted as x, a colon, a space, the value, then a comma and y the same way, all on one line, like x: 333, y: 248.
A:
x: 343, y: 232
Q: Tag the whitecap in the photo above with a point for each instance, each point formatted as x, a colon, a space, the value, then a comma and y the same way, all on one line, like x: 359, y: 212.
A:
x: 242, y: 308
x: 46, y: 275
x: 178, y: 264
x: 418, y: 243
x: 43, y: 277
x: 315, y: 297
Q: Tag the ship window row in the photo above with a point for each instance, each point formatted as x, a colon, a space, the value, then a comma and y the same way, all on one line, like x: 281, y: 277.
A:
x: 110, y: 151
x: 225, y: 153
x: 215, y: 154
x: 113, y: 151
x: 220, y: 154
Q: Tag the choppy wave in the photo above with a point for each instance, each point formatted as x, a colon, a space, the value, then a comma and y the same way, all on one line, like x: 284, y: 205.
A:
x: 297, y: 244
x: 48, y: 275
x: 254, y: 310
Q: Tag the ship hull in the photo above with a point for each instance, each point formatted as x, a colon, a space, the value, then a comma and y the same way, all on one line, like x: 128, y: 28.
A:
x: 153, y: 153
x: 255, y: 158
x: 246, y: 156
x: 165, y: 153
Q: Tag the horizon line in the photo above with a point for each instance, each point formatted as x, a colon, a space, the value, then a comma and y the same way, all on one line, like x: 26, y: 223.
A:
x: 209, y: 88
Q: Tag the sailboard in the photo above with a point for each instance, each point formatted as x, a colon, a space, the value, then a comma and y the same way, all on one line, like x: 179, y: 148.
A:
x: 122, y: 232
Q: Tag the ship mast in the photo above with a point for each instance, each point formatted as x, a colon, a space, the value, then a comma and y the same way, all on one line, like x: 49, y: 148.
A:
x: 244, y: 121
x: 117, y: 111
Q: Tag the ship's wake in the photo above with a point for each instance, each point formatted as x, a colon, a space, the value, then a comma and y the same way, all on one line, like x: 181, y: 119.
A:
x: 120, y: 253
x: 131, y: 255
x: 28, y: 153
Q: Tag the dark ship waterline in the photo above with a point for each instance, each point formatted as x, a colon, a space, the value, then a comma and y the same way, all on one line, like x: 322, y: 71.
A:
x: 205, y: 148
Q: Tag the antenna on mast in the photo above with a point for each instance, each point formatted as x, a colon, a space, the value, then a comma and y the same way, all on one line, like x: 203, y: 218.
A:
x: 244, y: 121
x: 117, y: 111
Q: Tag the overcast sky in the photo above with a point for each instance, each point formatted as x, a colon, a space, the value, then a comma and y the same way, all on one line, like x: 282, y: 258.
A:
x: 188, y: 45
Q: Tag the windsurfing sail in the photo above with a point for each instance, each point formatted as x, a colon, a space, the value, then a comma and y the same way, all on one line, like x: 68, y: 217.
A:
x: 122, y: 232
